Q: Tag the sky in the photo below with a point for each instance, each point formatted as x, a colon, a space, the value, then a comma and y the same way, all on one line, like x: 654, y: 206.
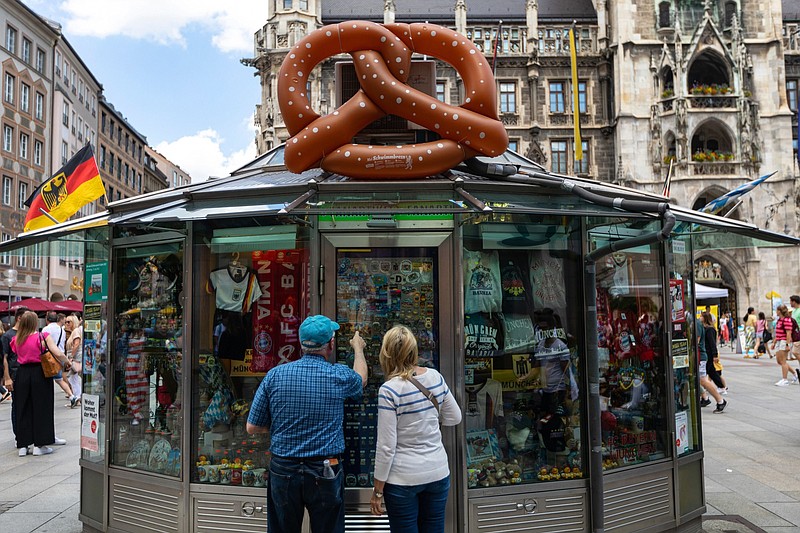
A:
x: 171, y: 67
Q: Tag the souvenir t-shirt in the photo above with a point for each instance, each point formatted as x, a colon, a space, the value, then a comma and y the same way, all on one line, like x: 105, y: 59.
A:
x: 547, y: 280
x: 514, y: 288
x: 236, y: 288
x: 483, y: 335
x: 484, y: 405
x: 482, y: 286
x: 518, y: 333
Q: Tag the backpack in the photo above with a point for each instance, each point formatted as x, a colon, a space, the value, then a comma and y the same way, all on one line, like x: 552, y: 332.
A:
x: 795, y: 331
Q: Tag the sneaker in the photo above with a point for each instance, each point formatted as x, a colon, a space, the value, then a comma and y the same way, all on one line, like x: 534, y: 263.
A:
x: 721, y: 406
x: 45, y: 450
x: 23, y: 451
x: 723, y: 391
x: 59, y: 441
x: 73, y: 401
x: 782, y: 383
x: 705, y: 402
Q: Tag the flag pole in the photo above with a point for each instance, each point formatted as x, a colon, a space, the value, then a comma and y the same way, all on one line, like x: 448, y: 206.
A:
x: 496, y: 45
x: 48, y: 215
x: 576, y: 112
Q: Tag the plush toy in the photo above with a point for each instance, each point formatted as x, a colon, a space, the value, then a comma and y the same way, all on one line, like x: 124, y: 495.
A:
x: 514, y: 471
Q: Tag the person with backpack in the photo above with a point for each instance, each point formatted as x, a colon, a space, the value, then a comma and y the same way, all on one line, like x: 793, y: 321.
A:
x: 786, y: 330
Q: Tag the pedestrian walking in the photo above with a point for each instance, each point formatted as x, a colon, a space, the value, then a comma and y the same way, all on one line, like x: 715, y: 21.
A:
x: 724, y: 330
x: 10, y: 364
x: 33, y: 396
x: 782, y: 343
x: 301, y: 405
x: 710, y: 339
x: 709, y: 387
x: 750, y: 321
x: 411, y: 472
x: 761, y: 333
x: 794, y: 301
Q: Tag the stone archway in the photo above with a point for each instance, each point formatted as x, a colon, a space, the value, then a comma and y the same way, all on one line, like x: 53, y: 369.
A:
x: 731, y: 275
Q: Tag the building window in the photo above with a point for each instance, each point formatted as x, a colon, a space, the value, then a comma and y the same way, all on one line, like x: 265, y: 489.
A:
x: 110, y: 163
x: 513, y: 145
x: 64, y: 152
x: 174, y: 178
x: 556, y: 97
x: 663, y: 15
x: 8, y: 138
x: 22, y: 259
x: 26, y: 50
x: 792, y: 94
x: 508, y: 97
x: 24, y: 138
x: 102, y: 157
x: 8, y: 184
x: 9, y: 92
x: 11, y: 39
x: 558, y: 152
x: 38, y: 148
x: 304, y: 5
x: 126, y: 172
x: 40, y: 60
x: 582, y: 166
x: 39, y: 106
x: 287, y: 4
x: 25, y: 97
x: 119, y: 168
x: 582, y: 97
x: 23, y: 194
x: 37, y: 255
x: 65, y: 115
x: 440, y: 89
x: 5, y: 257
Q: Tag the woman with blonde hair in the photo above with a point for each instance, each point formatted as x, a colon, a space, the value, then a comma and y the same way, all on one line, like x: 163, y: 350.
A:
x: 783, y: 343
x: 33, y: 392
x: 74, y: 349
x: 411, y: 472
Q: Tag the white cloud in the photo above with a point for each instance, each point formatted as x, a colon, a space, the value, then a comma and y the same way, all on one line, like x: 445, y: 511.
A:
x: 231, y: 23
x: 201, y: 156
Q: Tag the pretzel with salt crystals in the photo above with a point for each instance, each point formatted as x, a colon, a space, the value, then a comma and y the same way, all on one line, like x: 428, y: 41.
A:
x: 382, y: 59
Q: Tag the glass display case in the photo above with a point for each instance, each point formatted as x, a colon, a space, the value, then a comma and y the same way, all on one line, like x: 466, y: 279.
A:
x: 377, y: 288
x: 523, y: 332
x: 630, y: 325
x: 148, y: 358
x: 251, y: 294
x: 684, y: 366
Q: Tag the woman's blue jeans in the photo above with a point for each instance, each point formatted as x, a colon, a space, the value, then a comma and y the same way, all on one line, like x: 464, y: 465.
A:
x: 295, y: 485
x: 416, y: 508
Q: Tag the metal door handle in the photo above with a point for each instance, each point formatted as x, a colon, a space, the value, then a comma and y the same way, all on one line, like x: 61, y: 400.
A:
x: 249, y: 508
x: 529, y: 506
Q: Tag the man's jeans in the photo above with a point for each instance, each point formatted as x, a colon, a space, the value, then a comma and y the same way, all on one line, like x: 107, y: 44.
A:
x: 417, y: 508
x: 294, y: 485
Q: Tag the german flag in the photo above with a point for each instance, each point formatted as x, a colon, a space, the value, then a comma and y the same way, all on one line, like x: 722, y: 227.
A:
x: 74, y: 185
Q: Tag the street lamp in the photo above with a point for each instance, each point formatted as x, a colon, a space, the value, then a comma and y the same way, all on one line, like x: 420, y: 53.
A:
x: 11, y: 279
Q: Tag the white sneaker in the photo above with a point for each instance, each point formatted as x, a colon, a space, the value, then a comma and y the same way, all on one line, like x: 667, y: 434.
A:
x: 23, y: 451
x: 59, y: 441
x: 44, y: 450
x: 782, y: 383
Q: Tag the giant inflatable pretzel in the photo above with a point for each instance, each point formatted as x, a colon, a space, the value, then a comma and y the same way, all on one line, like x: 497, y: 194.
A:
x: 382, y: 59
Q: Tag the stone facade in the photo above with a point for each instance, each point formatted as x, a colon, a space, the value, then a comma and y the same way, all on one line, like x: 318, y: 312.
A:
x: 698, y: 85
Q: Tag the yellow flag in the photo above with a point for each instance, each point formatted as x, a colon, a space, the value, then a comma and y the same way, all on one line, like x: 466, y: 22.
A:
x: 576, y: 115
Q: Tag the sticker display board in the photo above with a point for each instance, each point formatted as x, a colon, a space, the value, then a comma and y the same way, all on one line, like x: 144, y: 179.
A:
x: 376, y: 289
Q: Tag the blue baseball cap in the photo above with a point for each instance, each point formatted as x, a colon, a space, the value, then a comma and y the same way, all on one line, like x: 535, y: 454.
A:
x: 316, y: 331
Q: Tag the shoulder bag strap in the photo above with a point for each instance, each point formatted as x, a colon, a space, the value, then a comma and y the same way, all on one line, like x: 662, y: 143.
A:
x: 428, y: 394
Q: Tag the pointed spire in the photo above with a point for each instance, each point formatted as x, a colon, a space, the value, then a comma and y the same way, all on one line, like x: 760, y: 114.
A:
x: 389, y: 10
x: 461, y: 16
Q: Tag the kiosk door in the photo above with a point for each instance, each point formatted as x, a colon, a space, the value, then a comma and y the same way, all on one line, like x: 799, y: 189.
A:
x: 372, y: 283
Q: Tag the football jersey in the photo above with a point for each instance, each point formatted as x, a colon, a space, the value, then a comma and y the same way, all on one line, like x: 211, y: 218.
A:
x: 515, y: 290
x: 235, y: 288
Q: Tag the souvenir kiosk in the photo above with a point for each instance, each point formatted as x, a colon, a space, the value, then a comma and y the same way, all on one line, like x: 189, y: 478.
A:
x: 558, y: 309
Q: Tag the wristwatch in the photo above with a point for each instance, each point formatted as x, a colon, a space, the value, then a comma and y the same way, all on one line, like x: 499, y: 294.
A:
x: 377, y: 494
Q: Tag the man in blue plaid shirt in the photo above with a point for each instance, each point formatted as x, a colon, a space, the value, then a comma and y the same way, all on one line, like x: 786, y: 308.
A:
x: 301, y: 405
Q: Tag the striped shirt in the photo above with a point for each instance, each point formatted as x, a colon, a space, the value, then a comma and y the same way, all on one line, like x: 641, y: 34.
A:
x: 302, y: 403
x: 409, y: 449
